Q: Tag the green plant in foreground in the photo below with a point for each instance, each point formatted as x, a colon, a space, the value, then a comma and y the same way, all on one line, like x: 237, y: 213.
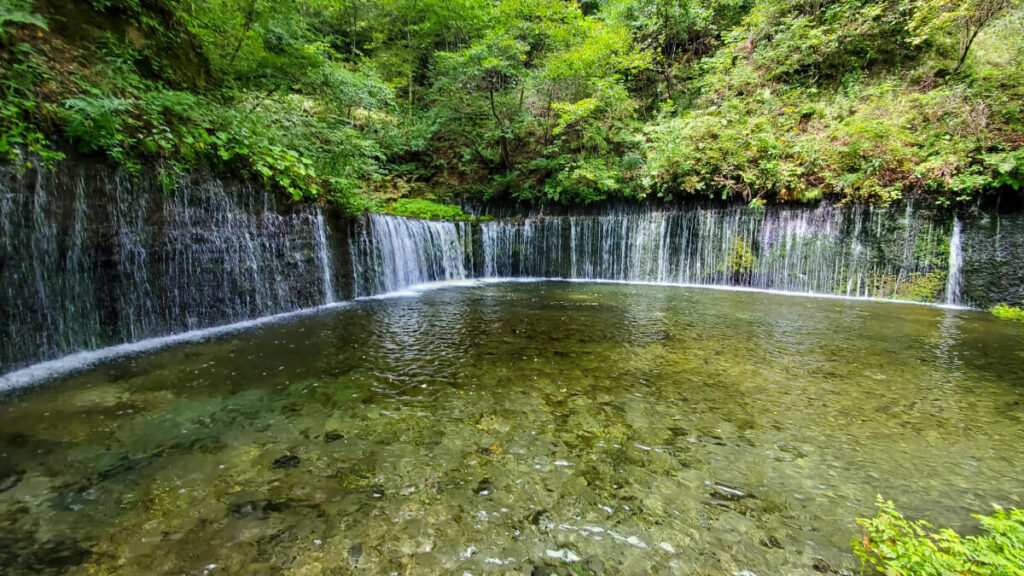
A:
x: 896, y: 546
x: 1008, y: 312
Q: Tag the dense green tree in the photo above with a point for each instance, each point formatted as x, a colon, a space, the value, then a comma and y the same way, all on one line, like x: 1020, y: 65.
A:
x: 964, y: 17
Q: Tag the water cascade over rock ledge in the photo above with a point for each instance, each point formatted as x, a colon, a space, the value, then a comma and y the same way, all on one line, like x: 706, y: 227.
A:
x: 900, y: 253
x: 91, y: 258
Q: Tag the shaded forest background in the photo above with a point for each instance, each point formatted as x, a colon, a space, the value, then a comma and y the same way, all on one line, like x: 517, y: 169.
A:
x: 361, y: 102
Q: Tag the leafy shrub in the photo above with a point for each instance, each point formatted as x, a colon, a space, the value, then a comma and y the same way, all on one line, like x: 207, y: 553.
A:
x: 98, y: 123
x: 741, y: 259
x: 419, y: 208
x: 896, y: 546
x: 20, y: 111
x: 1008, y: 312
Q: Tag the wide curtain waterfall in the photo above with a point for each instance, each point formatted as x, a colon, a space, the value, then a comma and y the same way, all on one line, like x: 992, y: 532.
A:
x: 860, y: 252
x: 92, y: 258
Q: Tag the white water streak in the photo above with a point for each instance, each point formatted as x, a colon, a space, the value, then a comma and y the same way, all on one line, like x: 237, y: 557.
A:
x: 52, y: 369
x: 74, y: 362
x: 954, y: 281
x: 323, y: 252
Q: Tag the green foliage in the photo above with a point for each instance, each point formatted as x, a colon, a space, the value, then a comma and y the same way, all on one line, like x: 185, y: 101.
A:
x: 532, y: 100
x: 796, y: 106
x: 896, y: 546
x: 20, y: 112
x: 15, y: 13
x: 966, y: 18
x: 1008, y: 312
x: 741, y: 258
x: 419, y: 208
x: 923, y: 287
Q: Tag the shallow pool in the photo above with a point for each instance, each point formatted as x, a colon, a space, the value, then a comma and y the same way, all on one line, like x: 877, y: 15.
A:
x: 519, y: 428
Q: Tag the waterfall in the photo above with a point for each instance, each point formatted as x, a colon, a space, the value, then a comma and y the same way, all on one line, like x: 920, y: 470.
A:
x: 324, y: 256
x: 92, y: 258
x: 859, y: 252
x: 863, y: 252
x: 954, y: 282
x: 521, y: 248
x: 391, y: 253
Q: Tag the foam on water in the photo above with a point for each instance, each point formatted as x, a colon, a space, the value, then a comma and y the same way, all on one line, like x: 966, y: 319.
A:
x: 51, y: 369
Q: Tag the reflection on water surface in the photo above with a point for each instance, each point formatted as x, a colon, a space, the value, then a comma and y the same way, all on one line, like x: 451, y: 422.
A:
x: 502, y: 428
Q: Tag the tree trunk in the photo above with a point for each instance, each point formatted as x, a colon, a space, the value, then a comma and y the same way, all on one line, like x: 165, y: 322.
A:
x: 965, y: 48
x: 502, y: 140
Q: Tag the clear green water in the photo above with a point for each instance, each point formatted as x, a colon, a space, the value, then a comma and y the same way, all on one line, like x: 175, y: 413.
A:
x: 489, y: 429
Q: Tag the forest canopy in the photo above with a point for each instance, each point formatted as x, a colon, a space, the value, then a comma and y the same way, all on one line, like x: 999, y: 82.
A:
x: 359, y: 102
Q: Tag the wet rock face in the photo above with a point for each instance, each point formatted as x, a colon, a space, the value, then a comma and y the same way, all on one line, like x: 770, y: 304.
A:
x: 994, y: 259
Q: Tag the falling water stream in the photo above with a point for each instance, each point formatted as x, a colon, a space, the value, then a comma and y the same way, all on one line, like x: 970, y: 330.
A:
x: 954, y: 281
x: 825, y: 250
x: 96, y: 259
x: 391, y: 253
x: 324, y: 256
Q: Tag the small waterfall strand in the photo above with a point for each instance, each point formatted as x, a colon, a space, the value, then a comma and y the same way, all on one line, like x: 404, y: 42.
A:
x: 954, y: 281
x: 392, y: 253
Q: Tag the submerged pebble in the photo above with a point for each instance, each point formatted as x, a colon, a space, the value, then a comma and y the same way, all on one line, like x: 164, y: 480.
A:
x: 286, y: 461
x: 355, y: 552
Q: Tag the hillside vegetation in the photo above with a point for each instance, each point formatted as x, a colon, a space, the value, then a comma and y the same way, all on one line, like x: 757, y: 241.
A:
x: 361, y: 102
